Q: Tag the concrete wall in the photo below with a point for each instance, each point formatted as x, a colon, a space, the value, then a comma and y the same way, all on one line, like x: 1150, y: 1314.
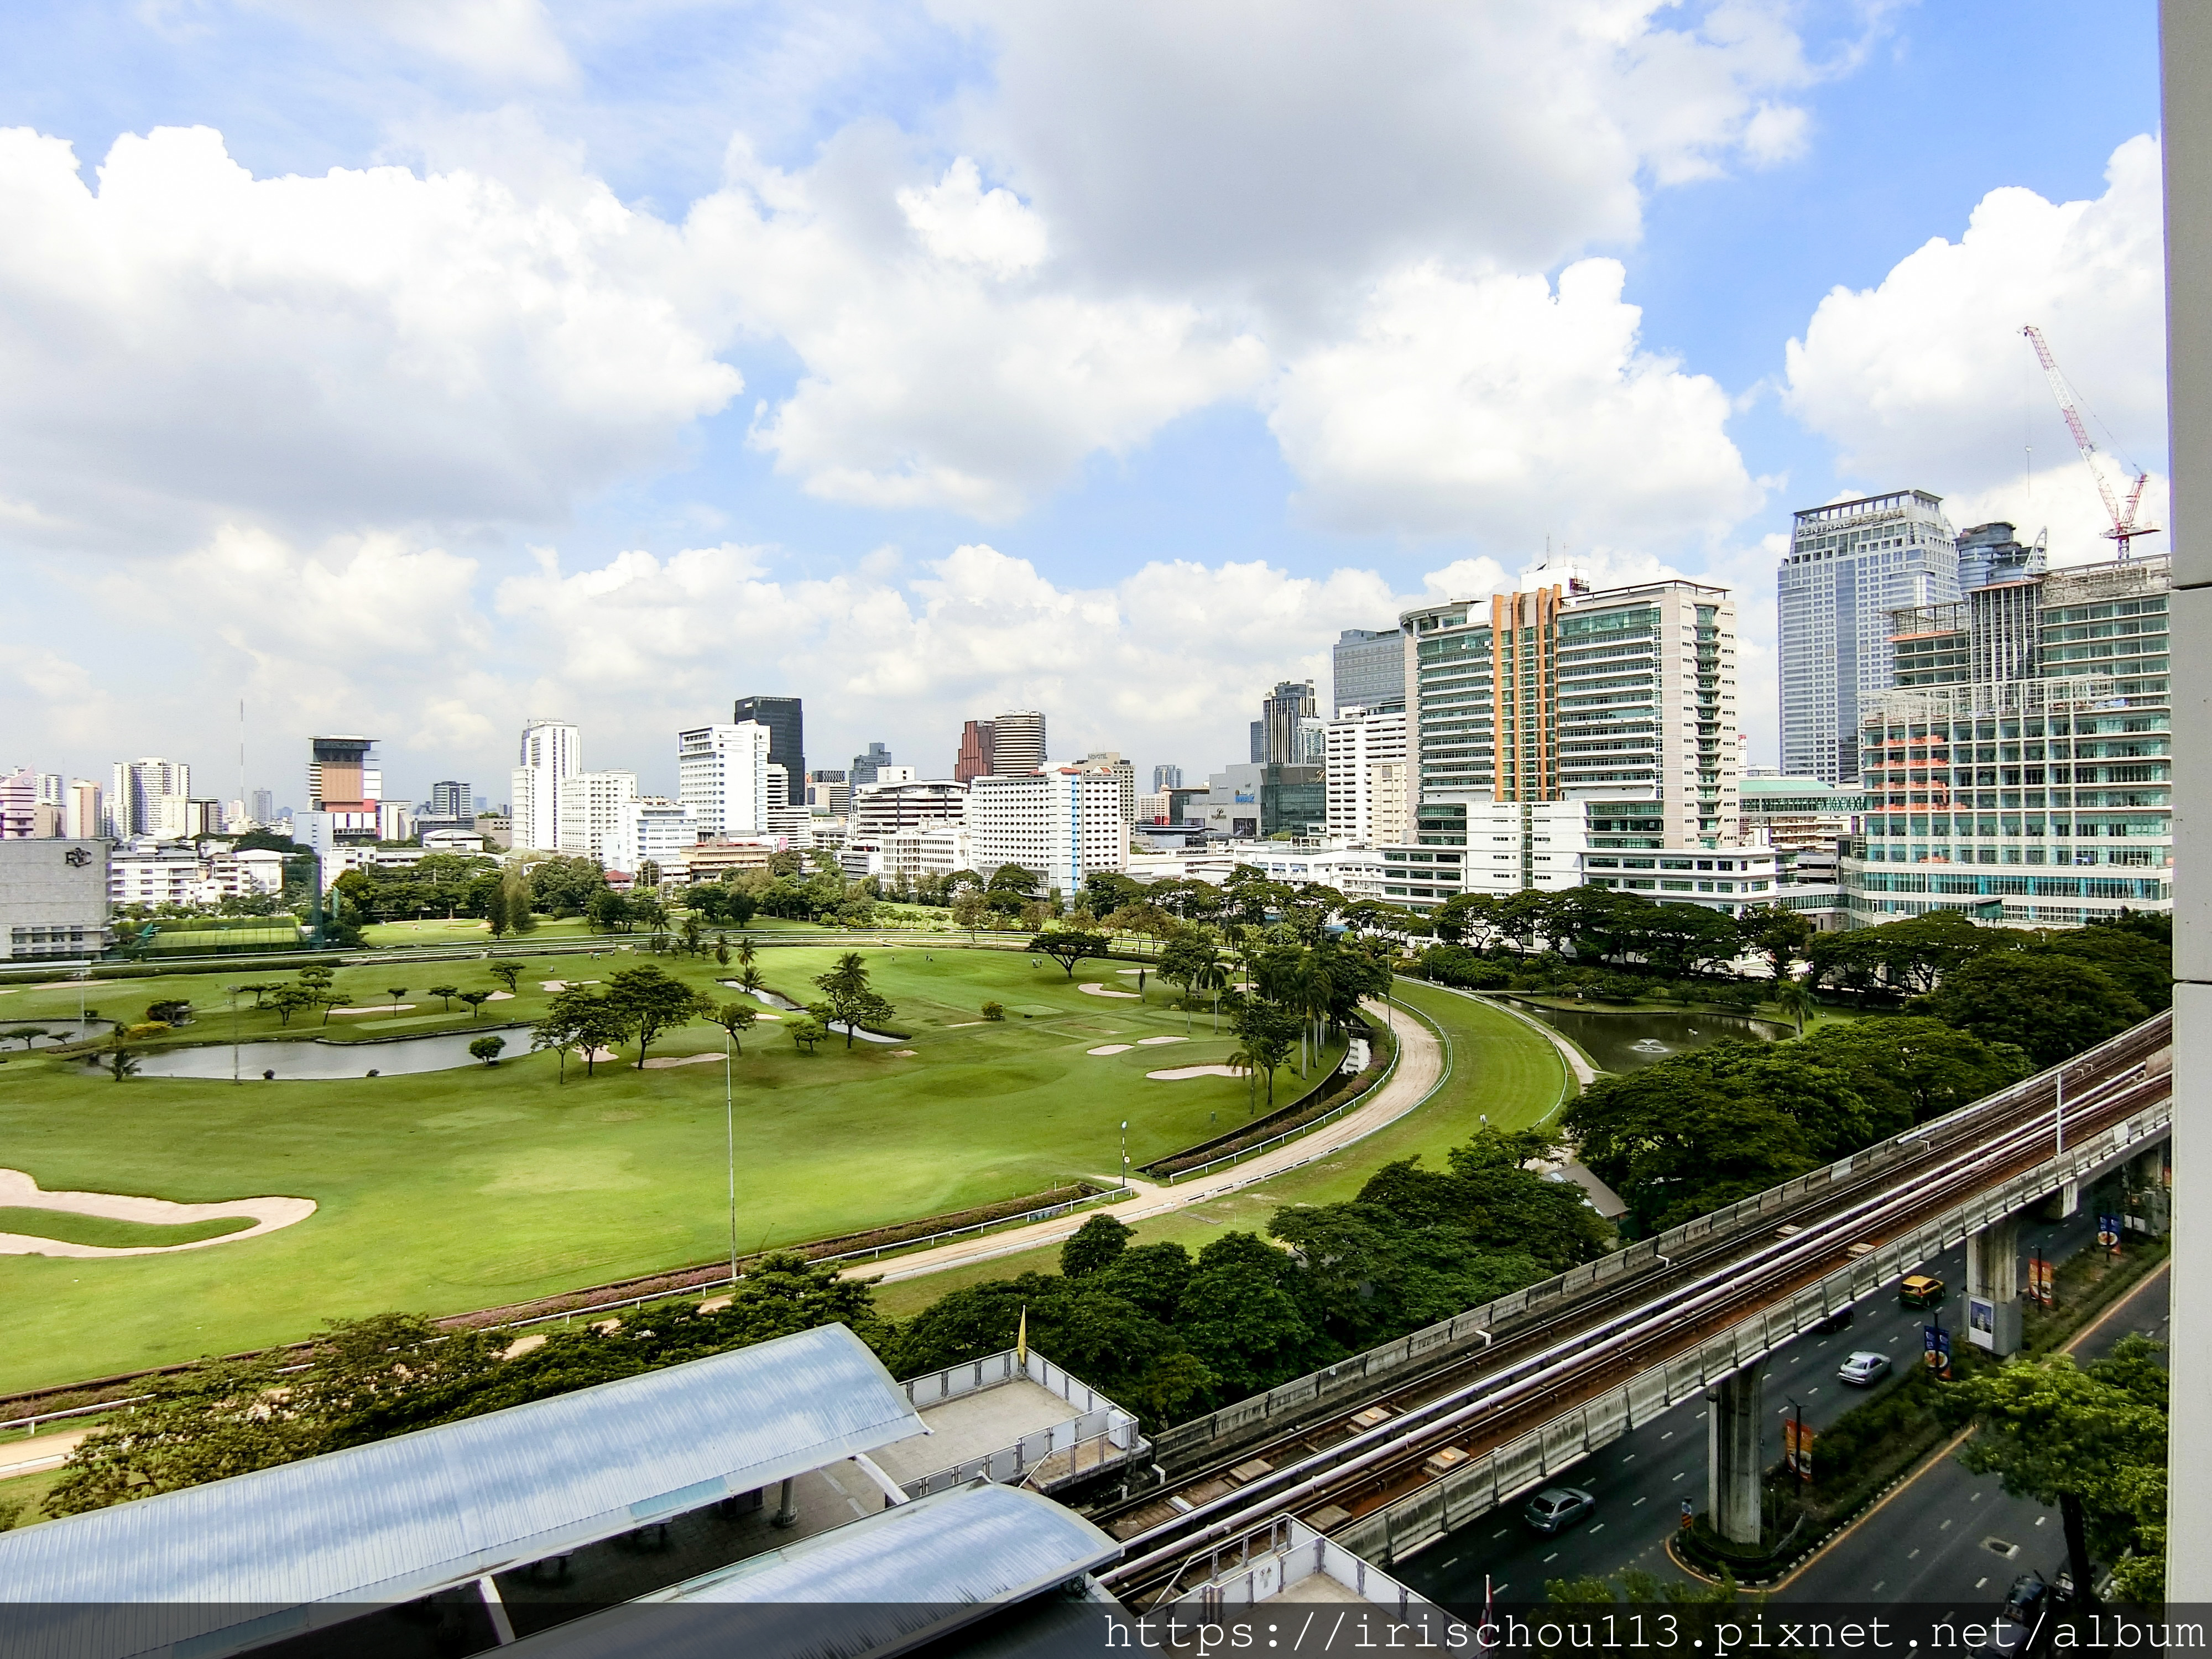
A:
x: 51, y: 887
x: 2185, y: 28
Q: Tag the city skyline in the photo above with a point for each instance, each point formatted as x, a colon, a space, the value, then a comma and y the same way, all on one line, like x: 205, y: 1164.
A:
x: 762, y: 502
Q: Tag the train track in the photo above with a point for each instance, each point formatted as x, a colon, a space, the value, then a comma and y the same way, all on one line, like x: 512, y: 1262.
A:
x: 1361, y: 1460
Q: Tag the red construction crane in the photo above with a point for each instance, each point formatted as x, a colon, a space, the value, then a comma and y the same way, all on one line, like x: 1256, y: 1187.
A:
x: 2124, y: 527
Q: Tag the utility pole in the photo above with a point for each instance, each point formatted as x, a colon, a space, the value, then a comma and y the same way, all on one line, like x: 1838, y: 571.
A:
x: 1125, y: 1154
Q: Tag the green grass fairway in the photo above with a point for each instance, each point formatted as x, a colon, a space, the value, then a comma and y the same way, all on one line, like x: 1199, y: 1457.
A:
x: 69, y: 1228
x: 1499, y: 1067
x: 471, y: 1188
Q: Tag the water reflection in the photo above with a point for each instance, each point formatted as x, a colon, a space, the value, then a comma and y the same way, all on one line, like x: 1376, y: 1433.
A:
x: 1628, y: 1041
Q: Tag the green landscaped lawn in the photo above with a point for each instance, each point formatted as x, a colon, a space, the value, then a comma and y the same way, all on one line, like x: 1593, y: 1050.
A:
x: 475, y: 1187
x: 1499, y: 1066
x: 69, y: 1228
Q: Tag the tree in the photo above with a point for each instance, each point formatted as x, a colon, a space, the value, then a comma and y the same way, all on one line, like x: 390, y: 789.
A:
x: 970, y: 910
x: 1094, y: 1246
x: 487, y: 1049
x: 30, y: 1034
x: 850, y: 998
x: 805, y: 1030
x: 1780, y: 936
x: 507, y: 973
x: 1068, y: 946
x: 395, y: 992
x: 1910, y: 1070
x: 2052, y: 1006
x: 606, y: 912
x: 1268, y: 1033
x: 290, y: 999
x: 331, y: 1000
x: 1012, y: 878
x: 445, y: 994
x: 2072, y: 1436
x: 737, y: 1019
x: 1793, y: 999
x: 121, y: 1063
x: 171, y: 1011
x: 515, y: 886
x: 580, y: 1019
x: 648, y: 1001
x: 475, y: 1000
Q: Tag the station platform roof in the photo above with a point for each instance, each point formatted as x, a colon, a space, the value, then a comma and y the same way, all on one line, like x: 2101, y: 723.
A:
x: 232, y: 1564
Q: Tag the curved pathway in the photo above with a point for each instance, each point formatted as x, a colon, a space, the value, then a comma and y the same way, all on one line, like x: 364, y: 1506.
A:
x: 19, y: 1190
x: 1420, y: 1069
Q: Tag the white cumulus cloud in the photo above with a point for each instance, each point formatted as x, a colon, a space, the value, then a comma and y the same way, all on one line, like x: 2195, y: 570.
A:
x: 1492, y: 403
x: 1925, y: 379
x: 186, y: 344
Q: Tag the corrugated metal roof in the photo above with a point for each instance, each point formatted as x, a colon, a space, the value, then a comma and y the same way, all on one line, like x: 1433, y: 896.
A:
x: 895, y: 1579
x: 395, y: 1520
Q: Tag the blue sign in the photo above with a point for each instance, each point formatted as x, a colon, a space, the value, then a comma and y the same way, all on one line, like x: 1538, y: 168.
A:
x: 2108, y: 1231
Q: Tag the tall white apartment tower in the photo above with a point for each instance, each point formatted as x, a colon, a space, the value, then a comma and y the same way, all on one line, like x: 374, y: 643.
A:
x: 1367, y: 776
x: 146, y: 796
x: 1850, y: 564
x: 723, y: 775
x: 552, y: 752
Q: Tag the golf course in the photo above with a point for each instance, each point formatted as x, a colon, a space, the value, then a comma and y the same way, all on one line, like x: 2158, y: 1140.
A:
x: 442, y: 1191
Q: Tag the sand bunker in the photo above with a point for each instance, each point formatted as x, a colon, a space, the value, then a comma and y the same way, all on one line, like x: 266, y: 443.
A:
x: 1178, y: 1074
x: 374, y: 1008
x: 1089, y: 990
x: 1150, y: 1042
x: 680, y: 1059
x: 18, y: 1190
x: 563, y: 984
x: 1111, y: 1049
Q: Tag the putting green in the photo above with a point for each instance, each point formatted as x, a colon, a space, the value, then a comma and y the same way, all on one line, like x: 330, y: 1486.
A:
x: 466, y: 1189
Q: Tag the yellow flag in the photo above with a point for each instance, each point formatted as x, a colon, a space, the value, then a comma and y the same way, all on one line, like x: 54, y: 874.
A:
x: 1022, y: 1339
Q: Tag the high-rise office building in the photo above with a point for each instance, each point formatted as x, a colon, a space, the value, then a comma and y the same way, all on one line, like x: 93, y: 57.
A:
x: 2020, y: 770
x: 1018, y: 740
x: 1625, y: 699
x: 865, y: 766
x: 1367, y: 669
x: 785, y: 721
x: 1850, y: 564
x: 1279, y: 736
x: 1990, y: 553
x: 341, y: 775
x: 552, y: 752
x: 828, y: 793
x: 726, y: 775
x: 146, y: 796
x: 450, y: 800
x: 973, y: 759
x: 261, y: 807
x: 1165, y: 778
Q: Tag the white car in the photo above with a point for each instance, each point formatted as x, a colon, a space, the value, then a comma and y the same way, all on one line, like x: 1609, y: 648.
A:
x: 1864, y: 1369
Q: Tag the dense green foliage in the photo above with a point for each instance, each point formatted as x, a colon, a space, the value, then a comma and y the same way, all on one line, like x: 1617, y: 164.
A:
x: 1701, y: 1130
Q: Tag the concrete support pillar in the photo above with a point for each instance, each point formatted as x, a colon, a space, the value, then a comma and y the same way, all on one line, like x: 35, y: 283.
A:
x: 1993, y: 1286
x: 1735, y: 1454
x: 2146, y: 1195
x: 785, y: 1515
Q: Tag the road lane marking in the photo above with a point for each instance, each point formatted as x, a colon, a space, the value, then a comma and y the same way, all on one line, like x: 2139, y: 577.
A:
x: 1637, y: 1501
x: 1670, y: 1435
x: 1501, y: 1532
x: 1979, y: 1582
x: 1597, y: 1528
x: 1913, y: 1556
x: 1876, y: 1590
x: 1679, y: 1473
x: 1630, y: 1458
x: 1553, y: 1557
x: 1946, y: 1527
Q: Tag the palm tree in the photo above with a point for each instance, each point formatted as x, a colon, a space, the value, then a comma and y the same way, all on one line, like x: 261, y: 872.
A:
x: 1791, y: 997
x: 745, y: 953
x: 1213, y: 977
x: 1240, y: 1059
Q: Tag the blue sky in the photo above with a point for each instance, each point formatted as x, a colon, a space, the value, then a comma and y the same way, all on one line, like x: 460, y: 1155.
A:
x: 930, y: 360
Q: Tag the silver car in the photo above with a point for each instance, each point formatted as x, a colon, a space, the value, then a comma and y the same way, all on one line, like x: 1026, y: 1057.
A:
x: 1863, y: 1369
x: 1557, y: 1508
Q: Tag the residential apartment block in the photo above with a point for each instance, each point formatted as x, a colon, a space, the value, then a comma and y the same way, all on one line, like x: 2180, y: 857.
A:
x: 1367, y: 777
x: 595, y: 813
x: 551, y: 752
x: 723, y: 774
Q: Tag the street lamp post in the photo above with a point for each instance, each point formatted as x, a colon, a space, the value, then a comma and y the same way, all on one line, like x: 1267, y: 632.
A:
x: 730, y: 1144
x: 1125, y: 1154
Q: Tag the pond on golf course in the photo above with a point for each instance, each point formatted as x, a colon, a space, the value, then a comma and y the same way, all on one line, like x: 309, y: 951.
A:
x: 317, y: 1059
x: 1628, y: 1041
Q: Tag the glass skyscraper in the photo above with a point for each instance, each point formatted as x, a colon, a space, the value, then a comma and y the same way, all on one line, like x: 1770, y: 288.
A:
x: 1850, y: 564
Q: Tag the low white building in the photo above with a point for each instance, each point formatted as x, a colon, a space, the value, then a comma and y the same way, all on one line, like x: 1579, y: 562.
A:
x: 1354, y: 871
x: 654, y: 827
x: 880, y: 808
x: 148, y: 871
x: 1062, y: 824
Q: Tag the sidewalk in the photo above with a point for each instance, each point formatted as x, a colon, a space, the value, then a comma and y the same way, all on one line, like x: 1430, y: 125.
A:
x: 1420, y: 1067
